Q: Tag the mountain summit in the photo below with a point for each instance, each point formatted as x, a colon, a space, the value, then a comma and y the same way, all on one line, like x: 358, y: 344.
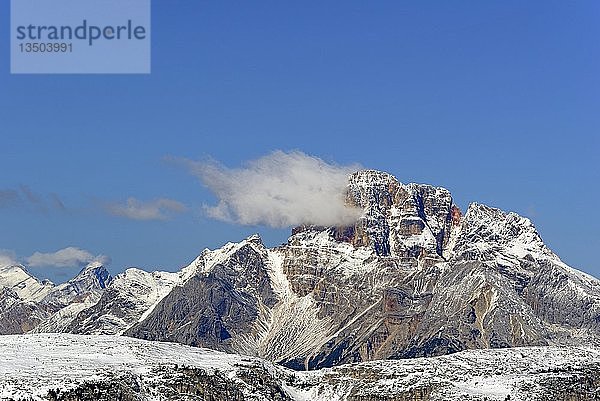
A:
x: 413, y: 276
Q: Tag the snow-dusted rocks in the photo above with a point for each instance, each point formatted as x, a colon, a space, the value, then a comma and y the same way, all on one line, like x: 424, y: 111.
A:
x: 106, y: 368
x: 412, y: 221
x: 222, y: 306
x: 31, y: 305
x: 131, y: 296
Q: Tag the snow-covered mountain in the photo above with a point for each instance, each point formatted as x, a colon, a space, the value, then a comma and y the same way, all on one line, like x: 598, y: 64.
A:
x: 107, y: 368
x: 32, y: 305
x: 131, y: 296
x: 414, y: 276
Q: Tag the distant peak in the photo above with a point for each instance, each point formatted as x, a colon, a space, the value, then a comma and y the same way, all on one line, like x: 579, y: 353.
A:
x: 16, y: 269
x: 95, y: 271
x: 372, y: 176
x: 254, y: 239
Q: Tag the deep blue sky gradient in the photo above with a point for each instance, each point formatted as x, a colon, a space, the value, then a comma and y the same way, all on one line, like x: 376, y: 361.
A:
x: 497, y: 101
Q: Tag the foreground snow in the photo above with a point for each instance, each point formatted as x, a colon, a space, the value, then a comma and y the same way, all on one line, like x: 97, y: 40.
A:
x: 34, y: 365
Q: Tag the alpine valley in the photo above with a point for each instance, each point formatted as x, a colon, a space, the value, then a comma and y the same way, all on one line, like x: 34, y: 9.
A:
x: 415, y: 301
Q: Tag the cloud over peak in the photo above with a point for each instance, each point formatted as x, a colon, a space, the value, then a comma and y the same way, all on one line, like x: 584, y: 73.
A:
x: 281, y: 189
x: 7, y: 258
x: 66, y: 257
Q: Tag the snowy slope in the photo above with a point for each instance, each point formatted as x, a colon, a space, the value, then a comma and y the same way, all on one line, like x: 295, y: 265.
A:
x: 131, y: 296
x: 26, y: 286
x: 34, y: 365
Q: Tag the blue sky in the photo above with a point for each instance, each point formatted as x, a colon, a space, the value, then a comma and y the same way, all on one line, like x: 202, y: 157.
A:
x: 496, y: 101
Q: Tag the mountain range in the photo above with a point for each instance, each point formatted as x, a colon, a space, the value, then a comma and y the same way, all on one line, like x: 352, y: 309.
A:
x: 414, y: 276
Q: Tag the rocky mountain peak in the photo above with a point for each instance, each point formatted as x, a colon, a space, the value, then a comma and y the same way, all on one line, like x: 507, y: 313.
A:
x: 418, y: 224
x: 94, y: 275
x: 371, y: 189
x: 412, y: 222
x: 488, y: 233
x: 87, y: 286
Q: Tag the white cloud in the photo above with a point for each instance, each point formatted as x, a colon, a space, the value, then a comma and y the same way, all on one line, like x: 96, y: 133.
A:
x: 158, y: 209
x: 8, y: 258
x: 281, y: 189
x: 66, y: 257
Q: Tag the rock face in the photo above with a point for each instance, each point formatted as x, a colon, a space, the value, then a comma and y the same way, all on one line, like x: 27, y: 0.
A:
x: 412, y: 221
x: 412, y: 277
x: 219, y: 305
